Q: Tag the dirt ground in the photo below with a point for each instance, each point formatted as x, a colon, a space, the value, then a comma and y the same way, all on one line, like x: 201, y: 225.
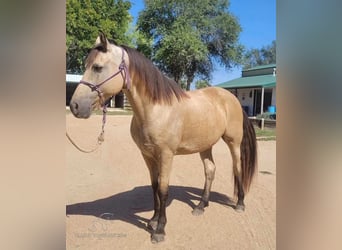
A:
x: 109, y: 198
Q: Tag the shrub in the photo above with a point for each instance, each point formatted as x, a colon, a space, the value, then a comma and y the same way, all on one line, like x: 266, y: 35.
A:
x: 267, y: 116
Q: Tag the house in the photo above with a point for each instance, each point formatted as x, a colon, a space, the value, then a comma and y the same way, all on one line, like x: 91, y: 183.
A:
x: 72, y: 81
x: 255, y: 89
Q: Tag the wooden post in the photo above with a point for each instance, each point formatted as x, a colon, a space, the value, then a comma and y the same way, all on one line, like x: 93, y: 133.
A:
x: 262, y: 100
x: 127, y: 105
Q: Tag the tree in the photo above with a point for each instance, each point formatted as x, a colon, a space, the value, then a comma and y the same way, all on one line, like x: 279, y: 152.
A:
x: 202, y: 84
x: 84, y: 19
x: 140, y: 40
x: 263, y: 56
x: 189, y: 36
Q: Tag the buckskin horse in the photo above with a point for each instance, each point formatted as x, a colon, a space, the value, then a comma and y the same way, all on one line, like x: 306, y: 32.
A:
x: 168, y: 121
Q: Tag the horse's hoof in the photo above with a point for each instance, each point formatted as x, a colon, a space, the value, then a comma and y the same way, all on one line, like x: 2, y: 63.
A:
x: 239, y: 208
x: 152, y: 225
x: 197, y: 211
x: 156, y: 238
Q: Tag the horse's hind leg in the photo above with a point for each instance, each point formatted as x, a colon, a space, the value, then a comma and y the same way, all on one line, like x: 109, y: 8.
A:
x: 209, y: 170
x: 234, y: 146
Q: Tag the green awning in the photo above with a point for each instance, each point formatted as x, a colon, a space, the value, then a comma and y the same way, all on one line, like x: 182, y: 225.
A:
x: 266, y: 81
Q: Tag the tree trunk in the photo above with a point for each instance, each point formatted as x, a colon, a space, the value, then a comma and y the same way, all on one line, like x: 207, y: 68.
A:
x: 188, y: 85
x: 188, y: 82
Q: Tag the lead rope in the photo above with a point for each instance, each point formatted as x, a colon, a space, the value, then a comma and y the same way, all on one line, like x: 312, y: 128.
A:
x: 100, y: 138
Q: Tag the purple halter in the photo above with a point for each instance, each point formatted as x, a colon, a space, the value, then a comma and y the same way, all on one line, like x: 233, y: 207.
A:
x: 123, y: 70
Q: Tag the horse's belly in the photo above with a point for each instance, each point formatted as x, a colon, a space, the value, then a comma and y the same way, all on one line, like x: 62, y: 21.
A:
x: 197, y: 144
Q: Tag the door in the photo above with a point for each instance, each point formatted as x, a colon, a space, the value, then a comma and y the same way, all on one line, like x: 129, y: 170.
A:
x: 257, y: 100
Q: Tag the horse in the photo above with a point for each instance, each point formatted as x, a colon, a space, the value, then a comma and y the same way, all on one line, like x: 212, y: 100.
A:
x: 168, y: 121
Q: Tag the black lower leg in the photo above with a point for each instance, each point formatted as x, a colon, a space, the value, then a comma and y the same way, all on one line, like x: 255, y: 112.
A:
x: 154, y: 220
x: 199, y: 209
x: 202, y: 204
x: 241, y: 195
x: 159, y: 233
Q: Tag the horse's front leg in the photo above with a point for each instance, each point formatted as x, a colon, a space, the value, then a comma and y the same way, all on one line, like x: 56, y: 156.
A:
x: 153, y: 169
x: 163, y: 191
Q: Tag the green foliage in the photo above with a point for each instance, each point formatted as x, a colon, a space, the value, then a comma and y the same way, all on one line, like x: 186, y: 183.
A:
x: 141, y: 41
x: 202, y: 84
x: 266, y: 116
x: 263, y: 56
x: 188, y: 36
x: 180, y: 50
x: 84, y: 19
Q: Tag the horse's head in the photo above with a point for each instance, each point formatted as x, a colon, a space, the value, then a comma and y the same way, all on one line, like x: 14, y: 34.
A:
x: 105, y: 75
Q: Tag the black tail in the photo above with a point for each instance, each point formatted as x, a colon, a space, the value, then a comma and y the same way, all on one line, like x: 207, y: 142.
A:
x: 248, y: 150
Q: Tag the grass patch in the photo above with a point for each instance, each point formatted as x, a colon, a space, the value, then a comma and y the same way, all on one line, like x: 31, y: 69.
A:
x: 266, y: 134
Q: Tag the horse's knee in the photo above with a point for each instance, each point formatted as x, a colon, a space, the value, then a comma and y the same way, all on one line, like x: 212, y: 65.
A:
x: 210, y: 170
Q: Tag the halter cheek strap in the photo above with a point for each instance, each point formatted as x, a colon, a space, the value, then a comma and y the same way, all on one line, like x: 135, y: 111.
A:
x: 123, y: 70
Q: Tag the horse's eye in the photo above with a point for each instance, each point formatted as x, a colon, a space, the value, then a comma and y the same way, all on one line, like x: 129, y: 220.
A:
x: 97, y: 68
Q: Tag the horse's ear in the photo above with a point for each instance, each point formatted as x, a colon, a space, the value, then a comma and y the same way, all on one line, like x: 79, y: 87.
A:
x: 101, y: 41
x: 103, y: 38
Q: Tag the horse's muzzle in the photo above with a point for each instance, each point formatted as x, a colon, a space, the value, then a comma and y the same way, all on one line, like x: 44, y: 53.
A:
x: 80, y: 109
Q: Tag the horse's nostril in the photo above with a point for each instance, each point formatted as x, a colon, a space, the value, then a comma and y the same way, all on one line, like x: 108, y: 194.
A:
x: 74, y: 107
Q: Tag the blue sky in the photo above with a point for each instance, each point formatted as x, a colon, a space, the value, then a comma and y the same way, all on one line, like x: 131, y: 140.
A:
x: 258, y: 22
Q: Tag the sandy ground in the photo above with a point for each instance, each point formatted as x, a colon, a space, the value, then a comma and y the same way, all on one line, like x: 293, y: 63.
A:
x: 109, y: 199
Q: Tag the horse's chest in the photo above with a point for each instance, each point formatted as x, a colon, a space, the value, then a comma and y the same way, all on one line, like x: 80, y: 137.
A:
x: 144, y: 139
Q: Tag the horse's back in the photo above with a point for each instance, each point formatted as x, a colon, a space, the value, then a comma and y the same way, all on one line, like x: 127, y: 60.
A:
x: 220, y: 95
x: 218, y: 99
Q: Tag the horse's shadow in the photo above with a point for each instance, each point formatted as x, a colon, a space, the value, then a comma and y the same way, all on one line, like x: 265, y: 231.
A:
x: 125, y: 206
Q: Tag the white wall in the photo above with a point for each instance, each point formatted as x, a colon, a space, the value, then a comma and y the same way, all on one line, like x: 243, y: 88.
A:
x: 245, y: 97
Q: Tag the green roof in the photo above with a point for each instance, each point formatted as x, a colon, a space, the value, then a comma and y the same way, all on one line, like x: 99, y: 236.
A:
x: 262, y: 67
x: 250, y: 82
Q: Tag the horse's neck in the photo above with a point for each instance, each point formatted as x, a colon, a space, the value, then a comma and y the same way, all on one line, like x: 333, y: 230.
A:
x: 138, y: 101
